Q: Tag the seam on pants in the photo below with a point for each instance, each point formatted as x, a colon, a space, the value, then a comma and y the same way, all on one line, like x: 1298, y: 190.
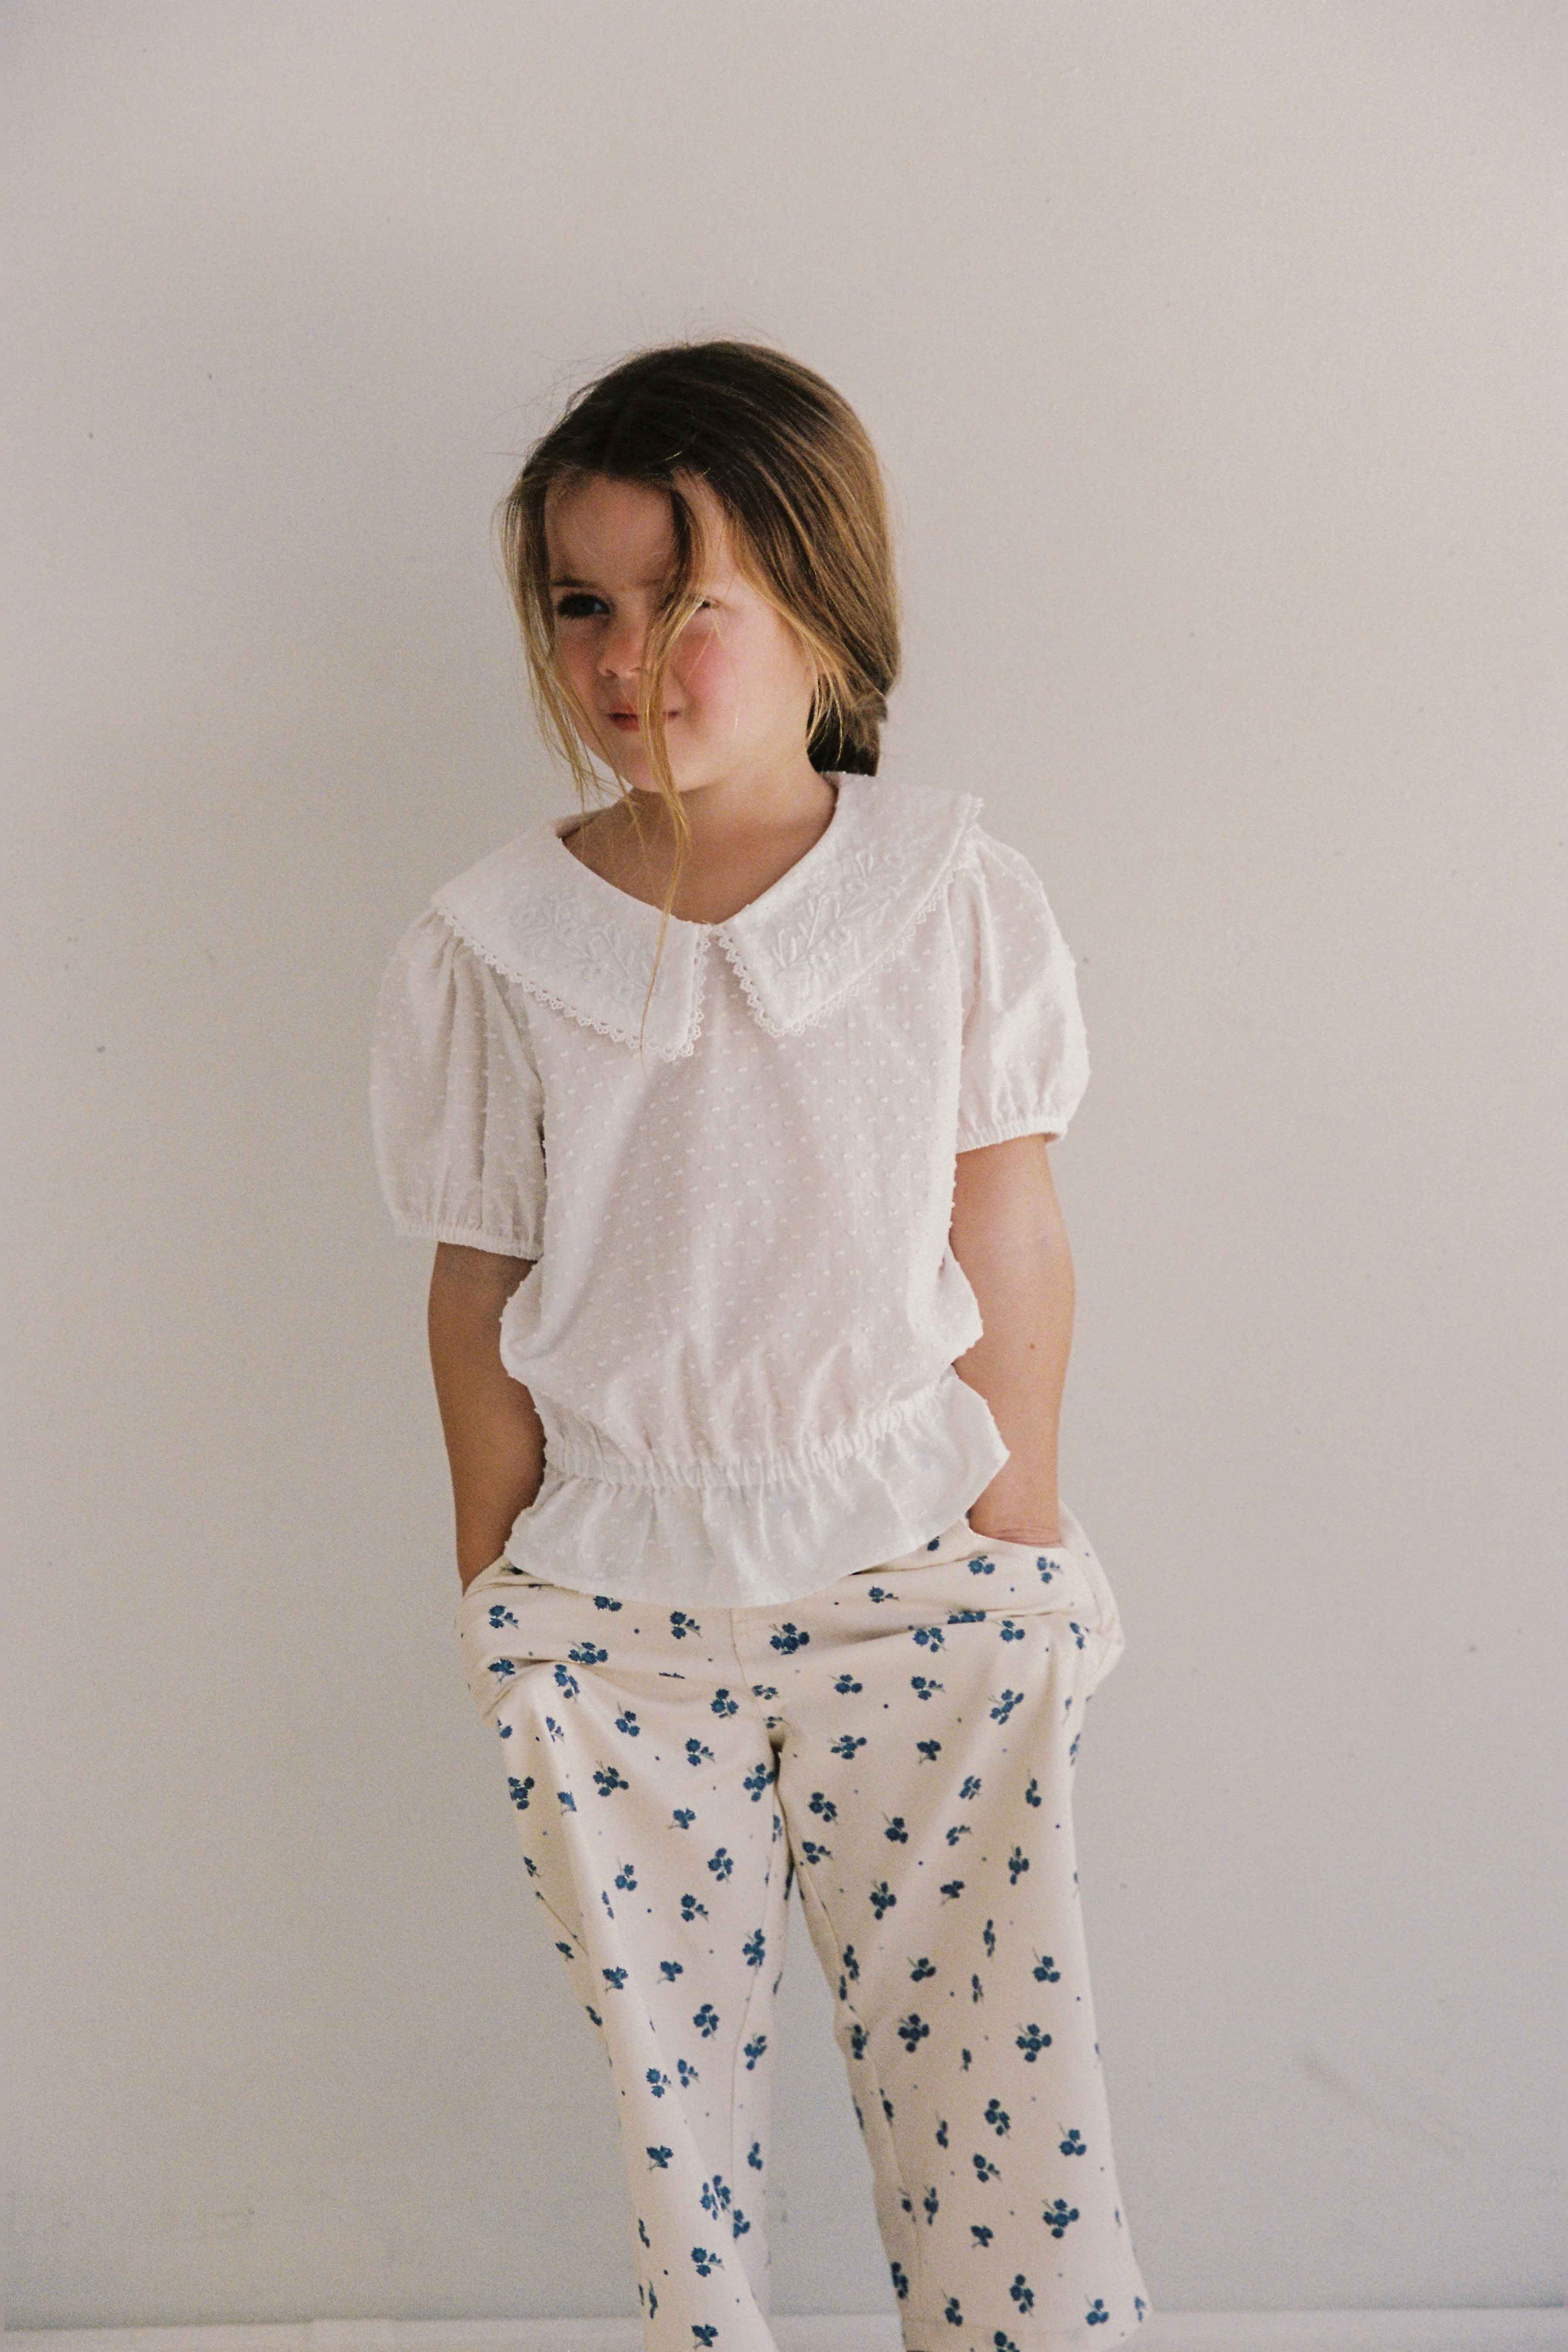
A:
x: 764, y: 1973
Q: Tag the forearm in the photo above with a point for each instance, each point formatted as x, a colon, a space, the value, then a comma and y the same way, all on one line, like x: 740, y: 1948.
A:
x: 1009, y: 1238
x: 495, y: 1441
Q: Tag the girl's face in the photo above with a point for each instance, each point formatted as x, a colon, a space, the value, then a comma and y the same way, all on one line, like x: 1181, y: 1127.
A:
x: 738, y: 690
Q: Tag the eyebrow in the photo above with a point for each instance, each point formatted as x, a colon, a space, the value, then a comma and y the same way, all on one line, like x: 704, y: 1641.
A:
x: 566, y: 580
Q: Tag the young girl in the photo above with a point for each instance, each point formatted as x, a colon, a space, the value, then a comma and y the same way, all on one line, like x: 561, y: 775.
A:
x: 727, y: 1108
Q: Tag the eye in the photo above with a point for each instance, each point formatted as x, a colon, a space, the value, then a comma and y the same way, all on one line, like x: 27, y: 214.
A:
x: 570, y: 607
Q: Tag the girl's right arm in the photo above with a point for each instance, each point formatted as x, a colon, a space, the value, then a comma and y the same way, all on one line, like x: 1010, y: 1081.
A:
x: 495, y: 1439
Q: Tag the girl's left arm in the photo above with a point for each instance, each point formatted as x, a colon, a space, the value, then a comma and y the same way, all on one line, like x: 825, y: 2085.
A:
x: 1008, y: 1237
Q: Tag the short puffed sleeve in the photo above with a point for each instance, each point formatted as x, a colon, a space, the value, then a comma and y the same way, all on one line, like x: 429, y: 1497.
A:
x: 1024, y: 1059
x: 455, y: 1097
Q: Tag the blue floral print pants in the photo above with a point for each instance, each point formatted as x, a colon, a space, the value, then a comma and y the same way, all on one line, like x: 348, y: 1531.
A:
x: 904, y: 1740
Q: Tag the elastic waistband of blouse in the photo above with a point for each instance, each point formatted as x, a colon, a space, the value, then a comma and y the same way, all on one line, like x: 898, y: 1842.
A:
x: 576, y: 1448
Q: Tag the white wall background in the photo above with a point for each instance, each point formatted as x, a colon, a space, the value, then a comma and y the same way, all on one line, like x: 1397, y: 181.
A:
x: 1216, y: 353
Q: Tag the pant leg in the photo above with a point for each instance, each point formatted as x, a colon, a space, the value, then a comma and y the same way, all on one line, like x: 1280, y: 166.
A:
x: 931, y: 1712
x: 640, y: 1767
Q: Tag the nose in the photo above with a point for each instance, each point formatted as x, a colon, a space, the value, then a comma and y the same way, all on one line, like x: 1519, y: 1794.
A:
x: 621, y: 648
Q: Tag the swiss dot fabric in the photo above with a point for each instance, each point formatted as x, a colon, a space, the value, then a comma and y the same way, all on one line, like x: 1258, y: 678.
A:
x: 742, y: 1313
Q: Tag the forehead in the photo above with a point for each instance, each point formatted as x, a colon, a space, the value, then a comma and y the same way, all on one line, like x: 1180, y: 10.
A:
x: 599, y: 528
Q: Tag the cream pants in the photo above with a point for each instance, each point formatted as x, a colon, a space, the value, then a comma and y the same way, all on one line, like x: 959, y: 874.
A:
x: 905, y: 1742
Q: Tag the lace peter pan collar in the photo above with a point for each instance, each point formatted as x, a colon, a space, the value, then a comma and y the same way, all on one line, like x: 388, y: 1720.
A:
x: 539, y: 916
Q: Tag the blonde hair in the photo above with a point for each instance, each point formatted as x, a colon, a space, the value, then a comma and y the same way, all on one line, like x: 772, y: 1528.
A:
x: 794, y: 469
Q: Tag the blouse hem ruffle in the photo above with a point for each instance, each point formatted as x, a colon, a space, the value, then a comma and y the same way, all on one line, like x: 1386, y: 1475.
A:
x: 762, y: 1541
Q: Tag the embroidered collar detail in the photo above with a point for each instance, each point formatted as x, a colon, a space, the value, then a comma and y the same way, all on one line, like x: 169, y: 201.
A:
x: 538, y: 915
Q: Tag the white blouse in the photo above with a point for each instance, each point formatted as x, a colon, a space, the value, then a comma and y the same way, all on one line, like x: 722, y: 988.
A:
x: 740, y: 1325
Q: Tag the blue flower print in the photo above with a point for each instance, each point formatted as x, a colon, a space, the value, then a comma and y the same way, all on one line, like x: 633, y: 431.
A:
x: 928, y: 1749
x: 754, y: 1948
x: 952, y: 1891
x: 1074, y: 2144
x: 588, y: 1654
x: 502, y: 1668
x: 972, y: 1784
x: 988, y: 1937
x: 697, y: 1754
x: 852, y: 1964
x: 705, y: 2021
x: 671, y: 1969
x: 626, y: 1722
x: 823, y: 1807
x: 657, y: 2083
x: 1097, y: 2315
x: 684, y: 1817
x: 720, y: 1863
x: 1076, y: 1631
x: 881, y: 1897
x: 681, y: 1624
x: 1058, y: 2217
x: 1004, y: 1704
x: 568, y: 1682
x: 1045, y: 1969
x: 754, y: 2050
x: 1022, y: 2292
x: 691, y: 1909
x: 755, y: 2155
x: 957, y: 1830
x: 812, y: 1852
x: 499, y: 1614
x: 606, y: 1780
x: 1032, y: 2040
x: 757, y: 1781
x: 1018, y: 1864
x: 790, y: 1638
x: 519, y: 1791
x: 847, y: 1685
x: 930, y: 1637
x: 932, y: 2205
x: 705, y: 2261
x: 626, y: 1878
x: 723, y: 1704
x: 976, y: 1989
x: 925, y: 1967
x: 981, y: 1566
x: 845, y: 1745
x: 567, y: 1801
x: 1009, y: 1632
x: 984, y: 2168
x: 896, y: 1832
x: 998, y: 2118
x: 614, y: 1978
x: 660, y: 2156
x: 966, y: 1616
x: 924, y: 1688
x: 1032, y: 1793
x: 912, y: 2030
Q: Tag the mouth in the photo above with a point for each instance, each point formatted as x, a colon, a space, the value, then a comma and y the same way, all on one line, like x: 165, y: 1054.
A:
x: 627, y: 719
